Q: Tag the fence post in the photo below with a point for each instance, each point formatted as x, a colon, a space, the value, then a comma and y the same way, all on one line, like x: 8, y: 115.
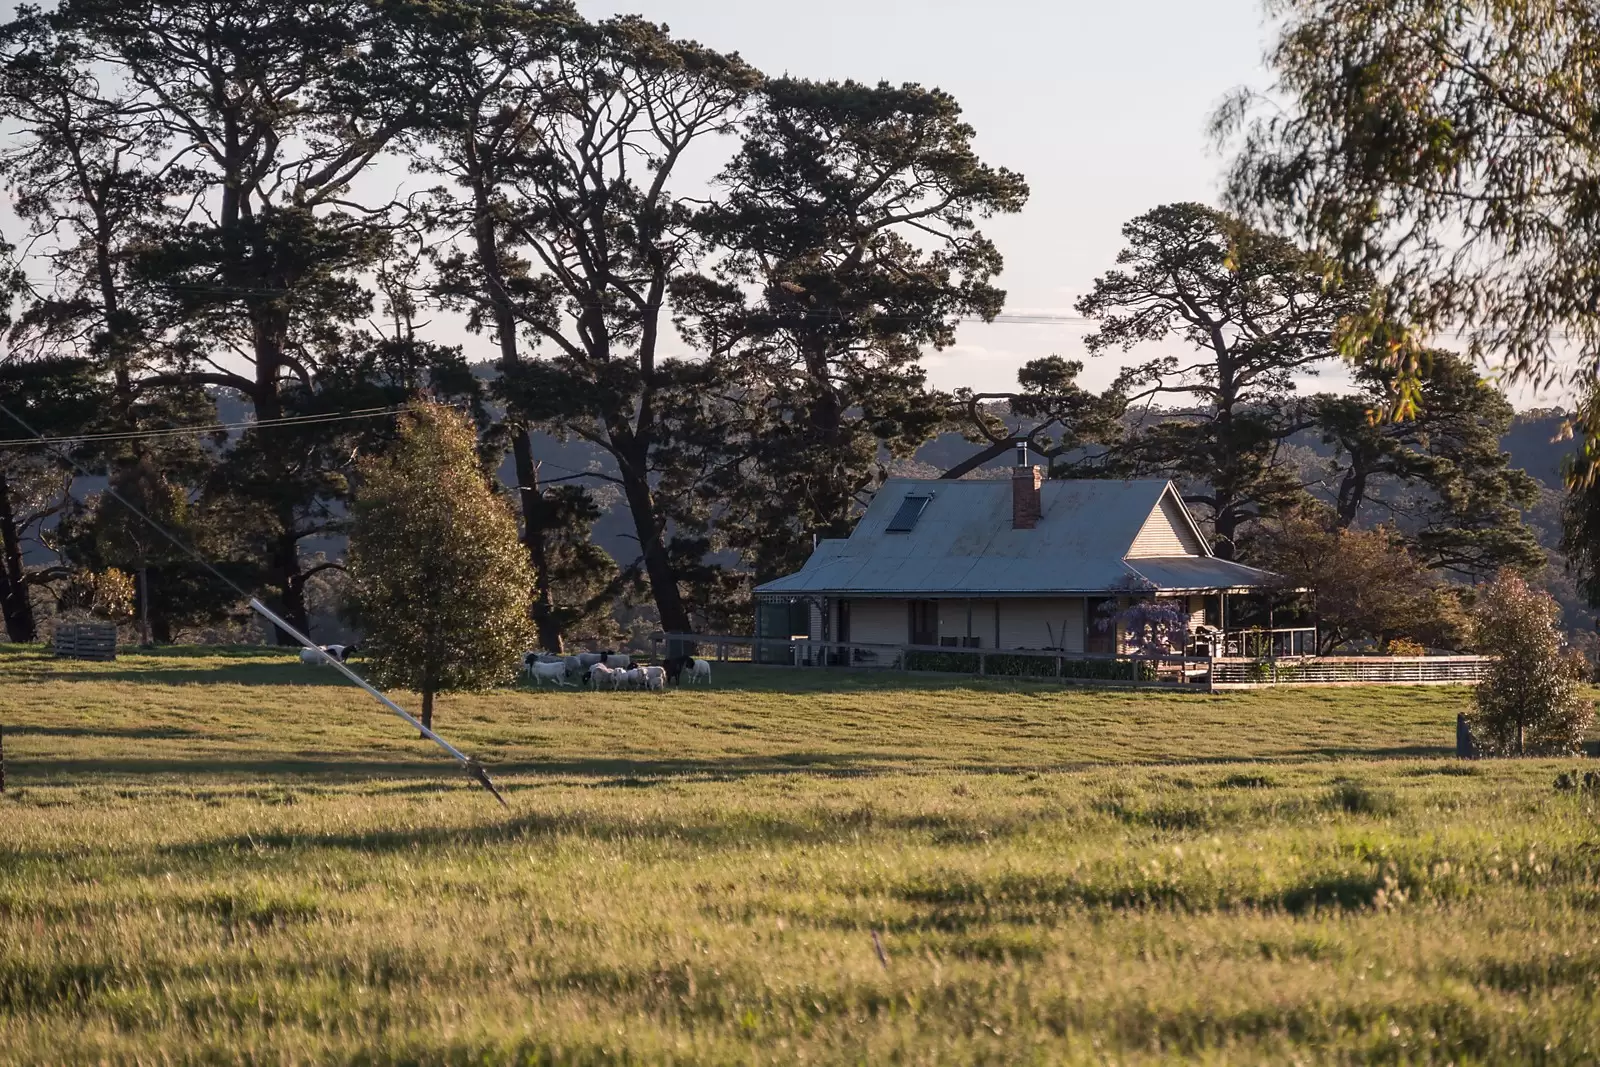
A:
x: 981, y: 671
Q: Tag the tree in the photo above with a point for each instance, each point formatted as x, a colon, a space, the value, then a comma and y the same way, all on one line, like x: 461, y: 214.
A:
x: 565, y: 160
x: 1448, y: 146
x: 1528, y: 700
x: 1580, y: 533
x: 440, y: 582
x: 1257, y: 311
x: 205, y: 154
x: 1367, y: 584
x: 575, y: 581
x: 1439, y: 476
x: 1072, y: 429
x: 55, y: 397
x: 848, y: 245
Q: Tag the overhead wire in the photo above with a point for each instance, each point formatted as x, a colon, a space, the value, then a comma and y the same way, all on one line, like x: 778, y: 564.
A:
x: 218, y: 427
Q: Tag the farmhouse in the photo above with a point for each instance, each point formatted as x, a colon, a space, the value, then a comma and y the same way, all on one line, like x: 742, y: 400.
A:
x: 1032, y: 564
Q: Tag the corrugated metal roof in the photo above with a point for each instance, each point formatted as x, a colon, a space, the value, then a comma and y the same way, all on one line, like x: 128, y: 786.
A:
x: 964, y: 545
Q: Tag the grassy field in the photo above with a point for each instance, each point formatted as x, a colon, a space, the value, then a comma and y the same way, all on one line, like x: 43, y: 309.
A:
x: 222, y: 857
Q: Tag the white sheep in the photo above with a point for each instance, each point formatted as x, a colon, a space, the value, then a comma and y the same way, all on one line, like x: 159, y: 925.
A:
x: 542, y: 672
x: 603, y: 677
x: 655, y: 679
x: 700, y: 674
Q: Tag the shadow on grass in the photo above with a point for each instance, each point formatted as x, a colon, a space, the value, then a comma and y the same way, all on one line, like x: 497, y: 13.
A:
x: 712, y: 830
x: 1393, y: 752
x: 273, y: 671
x: 342, y: 770
x: 125, y: 733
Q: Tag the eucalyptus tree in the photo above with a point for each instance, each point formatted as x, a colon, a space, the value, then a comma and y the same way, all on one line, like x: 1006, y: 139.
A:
x: 847, y: 242
x: 1448, y: 147
x: 1255, y: 312
x: 563, y: 142
x: 483, y: 111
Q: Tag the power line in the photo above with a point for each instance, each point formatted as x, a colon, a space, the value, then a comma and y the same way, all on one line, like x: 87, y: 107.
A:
x: 219, y: 427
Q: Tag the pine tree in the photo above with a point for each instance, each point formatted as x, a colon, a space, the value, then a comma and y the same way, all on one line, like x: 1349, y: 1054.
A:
x: 440, y: 581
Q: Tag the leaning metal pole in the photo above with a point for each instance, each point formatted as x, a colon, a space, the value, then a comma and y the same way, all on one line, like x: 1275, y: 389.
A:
x: 474, y: 769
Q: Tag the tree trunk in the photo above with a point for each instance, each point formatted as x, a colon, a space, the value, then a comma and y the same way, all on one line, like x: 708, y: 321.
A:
x: 427, y: 710
x: 1522, y: 739
x: 545, y: 618
x: 160, y: 624
x: 144, y: 606
x: 487, y: 251
x: 15, y: 604
x: 1352, y: 492
x: 291, y: 584
x: 1226, y: 525
x: 652, y: 546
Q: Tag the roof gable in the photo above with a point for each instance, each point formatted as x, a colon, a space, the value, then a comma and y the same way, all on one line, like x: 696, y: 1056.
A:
x: 1169, y: 531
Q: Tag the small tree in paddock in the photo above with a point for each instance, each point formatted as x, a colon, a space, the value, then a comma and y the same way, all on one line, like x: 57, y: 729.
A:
x: 441, y: 584
x: 1528, y: 702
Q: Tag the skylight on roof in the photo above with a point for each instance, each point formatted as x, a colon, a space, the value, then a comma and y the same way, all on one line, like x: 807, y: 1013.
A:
x: 911, y: 509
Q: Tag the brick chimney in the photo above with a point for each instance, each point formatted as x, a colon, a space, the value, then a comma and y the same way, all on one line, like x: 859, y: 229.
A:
x: 1026, y: 509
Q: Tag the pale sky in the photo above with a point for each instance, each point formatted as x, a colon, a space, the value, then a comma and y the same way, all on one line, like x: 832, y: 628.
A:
x: 1102, y: 106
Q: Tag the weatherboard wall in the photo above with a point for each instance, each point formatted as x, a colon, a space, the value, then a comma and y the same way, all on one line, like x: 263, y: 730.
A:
x: 1042, y: 623
x: 1165, y: 533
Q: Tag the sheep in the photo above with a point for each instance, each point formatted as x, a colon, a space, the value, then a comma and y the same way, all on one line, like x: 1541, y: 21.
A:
x: 542, y: 672
x: 322, y: 654
x: 633, y: 678
x: 620, y: 661
x: 701, y: 675
x: 573, y: 666
x: 655, y: 679
x: 603, y: 677
x: 589, y: 659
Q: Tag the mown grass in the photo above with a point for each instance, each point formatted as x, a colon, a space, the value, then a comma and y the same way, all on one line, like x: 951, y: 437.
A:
x: 220, y: 858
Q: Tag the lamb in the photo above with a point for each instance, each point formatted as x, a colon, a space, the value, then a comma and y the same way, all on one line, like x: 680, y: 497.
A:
x: 603, y: 677
x: 655, y: 679
x: 633, y: 678
x: 701, y: 674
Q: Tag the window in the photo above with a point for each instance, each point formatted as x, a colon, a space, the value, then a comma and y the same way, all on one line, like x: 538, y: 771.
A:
x: 911, y: 509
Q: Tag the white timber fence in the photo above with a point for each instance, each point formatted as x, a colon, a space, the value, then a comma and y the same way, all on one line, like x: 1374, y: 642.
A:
x: 1085, y: 668
x: 1348, y: 670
